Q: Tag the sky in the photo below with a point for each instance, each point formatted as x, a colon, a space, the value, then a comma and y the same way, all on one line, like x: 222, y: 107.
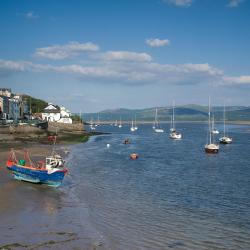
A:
x: 93, y: 55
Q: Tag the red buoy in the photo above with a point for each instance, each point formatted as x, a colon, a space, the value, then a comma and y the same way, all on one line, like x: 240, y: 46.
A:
x: 134, y: 156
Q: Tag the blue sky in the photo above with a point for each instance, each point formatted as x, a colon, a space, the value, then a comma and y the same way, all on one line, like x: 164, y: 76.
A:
x: 92, y: 55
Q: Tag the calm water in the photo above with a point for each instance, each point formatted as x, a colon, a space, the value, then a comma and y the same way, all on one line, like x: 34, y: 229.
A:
x: 173, y: 197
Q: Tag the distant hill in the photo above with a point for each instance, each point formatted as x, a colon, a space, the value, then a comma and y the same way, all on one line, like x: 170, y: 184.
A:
x: 190, y: 112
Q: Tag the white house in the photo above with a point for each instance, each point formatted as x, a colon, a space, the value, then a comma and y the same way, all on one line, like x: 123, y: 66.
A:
x: 64, y: 112
x: 54, y: 114
x: 51, y: 113
x: 5, y: 92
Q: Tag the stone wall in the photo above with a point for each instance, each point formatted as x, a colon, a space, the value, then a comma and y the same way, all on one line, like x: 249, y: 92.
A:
x: 25, y: 129
x: 55, y: 126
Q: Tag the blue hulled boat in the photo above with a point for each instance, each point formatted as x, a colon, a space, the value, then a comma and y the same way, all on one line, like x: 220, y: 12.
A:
x: 51, y: 172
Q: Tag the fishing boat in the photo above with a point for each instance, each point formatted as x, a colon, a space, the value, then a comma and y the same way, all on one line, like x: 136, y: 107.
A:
x: 174, y: 134
x: 225, y: 139
x: 214, y: 130
x: 50, y: 172
x: 157, y: 127
x: 210, y: 147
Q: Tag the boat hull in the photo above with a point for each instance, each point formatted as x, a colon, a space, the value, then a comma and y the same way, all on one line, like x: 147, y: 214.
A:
x: 225, y: 140
x: 175, y: 136
x: 37, y: 176
x: 159, y: 130
x: 212, y: 148
x: 211, y: 151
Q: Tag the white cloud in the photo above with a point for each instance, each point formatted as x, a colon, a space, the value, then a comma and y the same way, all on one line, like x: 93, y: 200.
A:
x: 132, y: 72
x: 155, y: 42
x: 11, y: 66
x: 238, y: 80
x: 180, y: 3
x: 234, y: 3
x: 31, y: 15
x: 59, y: 52
x: 124, y: 56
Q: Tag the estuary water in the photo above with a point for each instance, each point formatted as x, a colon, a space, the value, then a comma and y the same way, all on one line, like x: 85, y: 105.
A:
x: 174, y: 196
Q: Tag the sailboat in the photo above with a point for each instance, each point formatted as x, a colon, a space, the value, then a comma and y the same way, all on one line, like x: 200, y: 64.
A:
x: 116, y: 123
x: 92, y: 126
x: 98, y: 121
x: 210, y: 147
x: 173, y: 132
x: 171, y: 124
x: 135, y: 126
x: 156, y: 128
x: 225, y: 139
x: 132, y: 128
x: 214, y: 130
x: 120, y: 124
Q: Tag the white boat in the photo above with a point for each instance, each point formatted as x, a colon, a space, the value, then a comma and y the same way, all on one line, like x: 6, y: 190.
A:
x: 116, y: 123
x: 225, y: 139
x: 120, y: 124
x: 98, y: 121
x: 174, y: 134
x: 92, y: 125
x: 214, y: 130
x: 156, y: 126
x: 135, y: 126
x: 132, y: 128
x: 210, y: 147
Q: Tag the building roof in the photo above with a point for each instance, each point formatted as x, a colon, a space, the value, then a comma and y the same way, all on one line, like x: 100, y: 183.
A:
x: 51, y: 111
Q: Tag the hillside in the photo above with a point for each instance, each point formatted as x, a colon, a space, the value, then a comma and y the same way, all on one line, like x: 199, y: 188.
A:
x: 37, y: 105
x: 182, y: 113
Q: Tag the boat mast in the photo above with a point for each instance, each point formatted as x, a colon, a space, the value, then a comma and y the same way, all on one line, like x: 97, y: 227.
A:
x: 156, y: 119
x: 213, y: 124
x: 98, y: 119
x: 209, y: 122
x: 224, y: 117
x: 173, y: 115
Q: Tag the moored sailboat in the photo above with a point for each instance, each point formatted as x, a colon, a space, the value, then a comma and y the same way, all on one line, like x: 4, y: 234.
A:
x: 174, y: 134
x: 210, y: 147
x: 135, y: 126
x: 225, y: 139
x: 92, y: 125
x: 132, y: 128
x: 157, y: 127
x: 120, y: 124
x: 214, y: 130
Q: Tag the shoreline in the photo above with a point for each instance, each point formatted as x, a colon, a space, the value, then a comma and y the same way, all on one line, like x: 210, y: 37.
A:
x: 38, y: 145
x: 178, y: 121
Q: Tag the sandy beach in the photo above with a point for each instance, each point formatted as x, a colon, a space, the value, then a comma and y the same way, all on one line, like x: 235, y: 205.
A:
x: 31, y: 214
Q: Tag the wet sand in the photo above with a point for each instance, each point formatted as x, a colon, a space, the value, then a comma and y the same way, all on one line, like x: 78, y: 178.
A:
x: 36, y: 216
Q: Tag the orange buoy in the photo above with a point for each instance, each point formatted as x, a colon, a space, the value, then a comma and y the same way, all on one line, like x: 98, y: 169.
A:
x: 134, y: 156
